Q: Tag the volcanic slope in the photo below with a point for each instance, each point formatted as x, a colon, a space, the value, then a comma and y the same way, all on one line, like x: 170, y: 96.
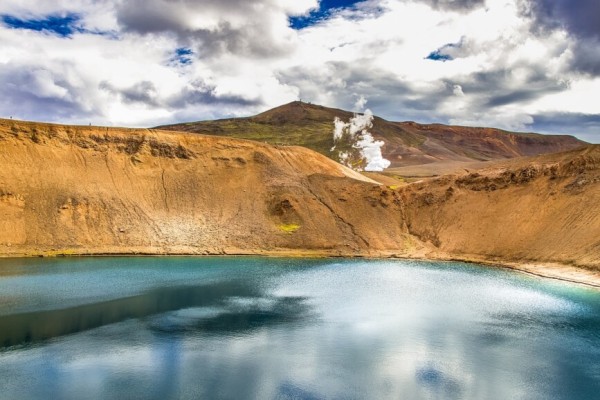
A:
x: 440, y: 148
x: 89, y: 190
x: 528, y: 210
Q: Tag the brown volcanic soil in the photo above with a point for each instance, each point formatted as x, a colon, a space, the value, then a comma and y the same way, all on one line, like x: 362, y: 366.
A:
x: 544, y: 208
x: 98, y: 190
x: 88, y: 190
x: 437, y: 148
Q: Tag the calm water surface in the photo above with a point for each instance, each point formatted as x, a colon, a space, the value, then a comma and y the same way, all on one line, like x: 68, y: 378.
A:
x: 251, y: 328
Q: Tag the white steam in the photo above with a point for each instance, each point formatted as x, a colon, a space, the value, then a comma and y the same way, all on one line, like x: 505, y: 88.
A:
x: 338, y: 131
x: 371, y: 151
x: 354, y: 137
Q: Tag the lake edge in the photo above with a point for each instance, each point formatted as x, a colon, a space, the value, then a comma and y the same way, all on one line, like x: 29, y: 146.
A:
x: 548, y: 270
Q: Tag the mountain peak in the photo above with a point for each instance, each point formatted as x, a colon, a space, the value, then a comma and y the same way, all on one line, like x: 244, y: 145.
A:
x: 405, y: 143
x: 299, y: 112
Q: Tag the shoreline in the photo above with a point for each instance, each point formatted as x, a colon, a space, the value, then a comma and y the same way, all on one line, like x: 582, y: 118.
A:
x: 553, y: 271
x: 592, y: 280
x: 546, y: 270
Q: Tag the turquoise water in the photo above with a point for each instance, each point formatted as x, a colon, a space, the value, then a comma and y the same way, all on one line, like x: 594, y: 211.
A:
x: 254, y: 328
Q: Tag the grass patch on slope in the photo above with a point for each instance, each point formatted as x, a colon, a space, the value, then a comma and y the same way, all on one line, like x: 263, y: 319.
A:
x: 289, y: 228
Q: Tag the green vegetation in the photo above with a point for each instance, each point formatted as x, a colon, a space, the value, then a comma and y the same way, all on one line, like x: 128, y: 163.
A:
x: 311, y: 126
x: 289, y: 228
x: 295, y: 124
x: 301, y: 124
x: 317, y: 136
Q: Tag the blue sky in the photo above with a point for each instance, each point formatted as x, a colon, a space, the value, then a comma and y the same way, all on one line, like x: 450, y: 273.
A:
x: 63, y: 26
x: 526, y: 65
x: 324, y: 10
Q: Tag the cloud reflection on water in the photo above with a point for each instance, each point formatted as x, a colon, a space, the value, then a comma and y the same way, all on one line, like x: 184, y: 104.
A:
x: 339, y: 330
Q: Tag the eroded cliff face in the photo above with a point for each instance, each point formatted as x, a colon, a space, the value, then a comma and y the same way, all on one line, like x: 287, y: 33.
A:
x: 544, y: 209
x: 86, y: 190
x: 97, y: 190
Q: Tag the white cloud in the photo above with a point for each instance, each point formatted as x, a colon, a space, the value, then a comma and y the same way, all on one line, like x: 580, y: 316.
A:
x: 510, y: 120
x: 360, y: 104
x: 457, y: 90
x: 248, y: 59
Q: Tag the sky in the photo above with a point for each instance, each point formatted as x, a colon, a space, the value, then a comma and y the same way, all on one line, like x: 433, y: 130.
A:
x: 525, y: 65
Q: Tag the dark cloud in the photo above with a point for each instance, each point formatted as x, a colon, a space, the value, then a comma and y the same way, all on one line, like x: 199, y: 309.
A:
x: 516, y: 96
x: 156, y: 18
x: 504, y: 96
x: 195, y: 93
x: 232, y: 26
x: 253, y: 40
x: 454, y: 5
x: 587, y: 56
x: 37, y: 93
x: 580, y: 18
x: 584, y: 126
x: 337, y: 84
x: 143, y: 92
x: 200, y: 93
x: 497, y: 87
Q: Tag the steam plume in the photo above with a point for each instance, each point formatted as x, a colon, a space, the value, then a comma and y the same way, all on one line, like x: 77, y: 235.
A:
x: 355, y: 146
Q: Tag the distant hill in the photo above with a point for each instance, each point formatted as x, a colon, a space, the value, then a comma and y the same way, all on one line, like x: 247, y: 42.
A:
x: 406, y: 143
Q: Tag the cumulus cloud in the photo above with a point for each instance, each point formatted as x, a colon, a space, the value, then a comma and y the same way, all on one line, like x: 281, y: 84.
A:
x: 360, y: 104
x: 582, y: 22
x: 457, y: 90
x: 213, y: 27
x: 199, y: 92
x: 582, y: 18
x: 511, y: 120
x: 143, y: 92
x: 455, y: 5
x: 565, y: 123
x: 144, y: 63
x: 50, y: 92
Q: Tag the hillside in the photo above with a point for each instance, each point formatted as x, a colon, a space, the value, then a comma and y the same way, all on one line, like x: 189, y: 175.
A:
x: 530, y: 210
x: 98, y: 190
x: 407, y: 144
x: 90, y: 190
